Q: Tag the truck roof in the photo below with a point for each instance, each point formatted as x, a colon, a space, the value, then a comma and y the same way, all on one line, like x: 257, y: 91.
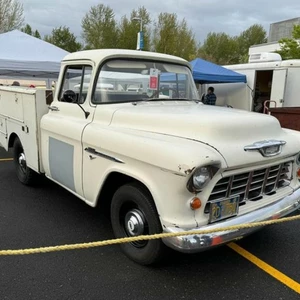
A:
x: 98, y: 55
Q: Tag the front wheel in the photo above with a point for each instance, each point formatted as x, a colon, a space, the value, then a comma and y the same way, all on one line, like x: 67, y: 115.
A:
x: 133, y: 213
x: 26, y: 175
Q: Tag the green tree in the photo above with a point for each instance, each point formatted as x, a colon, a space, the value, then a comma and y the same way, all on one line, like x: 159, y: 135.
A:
x: 165, y: 30
x: 27, y: 29
x: 128, y: 29
x: 11, y: 15
x: 186, y: 43
x: 290, y: 47
x: 224, y: 49
x: 127, y: 33
x: 173, y: 37
x: 254, y: 35
x: 63, y: 38
x: 99, y: 28
x: 37, y: 34
x: 219, y: 48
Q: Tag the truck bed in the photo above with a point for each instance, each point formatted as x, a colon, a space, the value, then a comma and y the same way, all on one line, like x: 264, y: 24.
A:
x: 21, y: 110
x: 289, y: 117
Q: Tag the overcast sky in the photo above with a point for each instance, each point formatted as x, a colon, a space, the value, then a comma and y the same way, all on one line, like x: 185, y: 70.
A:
x: 230, y: 16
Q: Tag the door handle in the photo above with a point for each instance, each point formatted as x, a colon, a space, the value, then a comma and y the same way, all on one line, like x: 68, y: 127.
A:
x: 54, y: 108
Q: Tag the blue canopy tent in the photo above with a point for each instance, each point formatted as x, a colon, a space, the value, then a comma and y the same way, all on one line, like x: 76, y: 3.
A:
x: 207, y: 72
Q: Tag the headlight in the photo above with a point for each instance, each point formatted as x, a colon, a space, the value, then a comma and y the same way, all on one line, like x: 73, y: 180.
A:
x: 201, y: 177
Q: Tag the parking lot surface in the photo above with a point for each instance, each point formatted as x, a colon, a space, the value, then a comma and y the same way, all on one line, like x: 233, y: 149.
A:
x: 47, y: 215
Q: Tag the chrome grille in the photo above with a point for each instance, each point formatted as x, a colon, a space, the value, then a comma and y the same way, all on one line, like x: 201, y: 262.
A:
x: 253, y: 185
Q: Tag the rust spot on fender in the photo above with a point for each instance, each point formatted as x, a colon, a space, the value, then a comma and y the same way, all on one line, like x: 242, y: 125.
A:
x: 173, y: 172
x: 186, y: 169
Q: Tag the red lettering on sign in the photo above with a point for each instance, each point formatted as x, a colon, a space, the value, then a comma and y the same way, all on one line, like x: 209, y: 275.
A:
x: 153, y: 82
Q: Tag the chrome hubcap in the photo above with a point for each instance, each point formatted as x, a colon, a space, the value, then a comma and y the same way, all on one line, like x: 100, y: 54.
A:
x: 22, y: 162
x: 134, y: 223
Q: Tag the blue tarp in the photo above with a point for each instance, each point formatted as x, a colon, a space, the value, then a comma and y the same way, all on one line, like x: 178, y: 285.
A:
x: 207, y: 72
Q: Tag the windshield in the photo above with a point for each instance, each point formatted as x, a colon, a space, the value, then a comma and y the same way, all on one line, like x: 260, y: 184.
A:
x: 139, y: 80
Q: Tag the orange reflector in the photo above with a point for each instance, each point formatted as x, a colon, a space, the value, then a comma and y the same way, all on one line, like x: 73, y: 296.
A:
x: 276, y: 217
x: 195, y: 203
x: 217, y: 240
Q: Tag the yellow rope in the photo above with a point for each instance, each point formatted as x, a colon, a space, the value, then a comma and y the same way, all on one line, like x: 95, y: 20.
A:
x: 141, y: 237
x: 6, y: 159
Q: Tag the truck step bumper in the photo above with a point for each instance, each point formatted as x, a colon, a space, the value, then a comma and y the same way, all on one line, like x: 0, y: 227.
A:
x: 202, y: 242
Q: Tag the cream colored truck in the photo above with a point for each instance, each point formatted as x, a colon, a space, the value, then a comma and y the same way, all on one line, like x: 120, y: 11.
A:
x: 158, y: 158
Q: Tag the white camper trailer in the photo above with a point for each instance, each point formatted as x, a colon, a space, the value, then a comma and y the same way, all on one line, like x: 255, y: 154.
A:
x: 268, y: 79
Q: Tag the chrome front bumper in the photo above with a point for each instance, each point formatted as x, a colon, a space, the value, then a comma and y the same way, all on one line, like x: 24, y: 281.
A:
x: 201, y: 242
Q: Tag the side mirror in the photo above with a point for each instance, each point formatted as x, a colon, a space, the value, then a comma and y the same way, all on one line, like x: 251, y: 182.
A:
x: 70, y: 96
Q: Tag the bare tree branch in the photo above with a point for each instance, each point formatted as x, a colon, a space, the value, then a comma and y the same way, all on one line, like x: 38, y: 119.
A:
x: 11, y: 15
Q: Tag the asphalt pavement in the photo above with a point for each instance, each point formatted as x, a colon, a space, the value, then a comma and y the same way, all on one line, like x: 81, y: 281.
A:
x: 47, y: 215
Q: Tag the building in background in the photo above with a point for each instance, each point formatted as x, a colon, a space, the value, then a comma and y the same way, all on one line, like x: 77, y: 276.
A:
x: 278, y: 30
x: 282, y: 29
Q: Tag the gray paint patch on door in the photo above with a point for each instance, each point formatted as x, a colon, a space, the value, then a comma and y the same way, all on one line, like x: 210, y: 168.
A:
x: 61, y: 158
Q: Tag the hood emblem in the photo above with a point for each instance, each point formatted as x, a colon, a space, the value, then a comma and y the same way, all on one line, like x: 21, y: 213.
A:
x: 266, y: 148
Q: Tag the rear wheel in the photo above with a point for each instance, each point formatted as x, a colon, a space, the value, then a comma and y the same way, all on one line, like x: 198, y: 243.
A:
x: 133, y: 213
x: 26, y: 175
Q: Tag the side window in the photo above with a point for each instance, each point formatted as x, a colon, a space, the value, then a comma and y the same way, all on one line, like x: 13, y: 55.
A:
x: 75, y: 84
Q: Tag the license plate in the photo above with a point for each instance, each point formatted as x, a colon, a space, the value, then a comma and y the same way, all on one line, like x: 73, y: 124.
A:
x: 223, y: 209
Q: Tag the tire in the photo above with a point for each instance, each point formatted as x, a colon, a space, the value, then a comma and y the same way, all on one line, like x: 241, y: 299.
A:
x: 25, y: 175
x: 130, y: 203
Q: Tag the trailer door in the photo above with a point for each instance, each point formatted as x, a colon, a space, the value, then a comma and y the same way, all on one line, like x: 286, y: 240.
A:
x: 278, y: 87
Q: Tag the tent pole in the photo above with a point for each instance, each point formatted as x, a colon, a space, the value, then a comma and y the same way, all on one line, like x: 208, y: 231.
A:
x: 48, y: 83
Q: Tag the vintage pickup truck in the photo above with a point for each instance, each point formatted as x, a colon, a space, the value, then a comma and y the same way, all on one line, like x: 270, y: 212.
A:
x: 126, y: 130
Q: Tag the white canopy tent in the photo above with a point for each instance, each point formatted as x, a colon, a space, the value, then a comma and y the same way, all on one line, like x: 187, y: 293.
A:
x: 24, y: 56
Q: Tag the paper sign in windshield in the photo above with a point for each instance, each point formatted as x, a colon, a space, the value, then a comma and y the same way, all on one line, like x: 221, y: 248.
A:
x: 153, y: 79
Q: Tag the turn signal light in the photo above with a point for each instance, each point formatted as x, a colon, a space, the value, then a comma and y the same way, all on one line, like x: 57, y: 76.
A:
x: 217, y: 240
x: 195, y: 203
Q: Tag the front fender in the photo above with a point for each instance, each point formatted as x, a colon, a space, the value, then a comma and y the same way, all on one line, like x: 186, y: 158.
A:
x: 173, y: 154
x: 162, y: 163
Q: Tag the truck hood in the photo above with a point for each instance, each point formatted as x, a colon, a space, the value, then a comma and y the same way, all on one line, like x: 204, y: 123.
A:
x: 227, y: 130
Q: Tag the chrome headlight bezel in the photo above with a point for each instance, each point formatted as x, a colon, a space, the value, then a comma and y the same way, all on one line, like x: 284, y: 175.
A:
x: 208, y: 171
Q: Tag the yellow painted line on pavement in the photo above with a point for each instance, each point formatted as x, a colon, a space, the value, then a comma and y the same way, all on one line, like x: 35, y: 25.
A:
x: 292, y: 284
x: 6, y: 159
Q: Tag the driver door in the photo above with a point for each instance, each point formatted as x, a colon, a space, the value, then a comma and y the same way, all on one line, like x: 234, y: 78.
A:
x: 62, y: 127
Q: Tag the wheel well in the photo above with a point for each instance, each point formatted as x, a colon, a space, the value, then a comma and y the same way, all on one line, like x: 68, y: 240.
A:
x: 11, y: 140
x: 110, y: 186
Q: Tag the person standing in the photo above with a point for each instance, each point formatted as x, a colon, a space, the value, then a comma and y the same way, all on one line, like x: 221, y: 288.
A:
x: 210, y: 98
